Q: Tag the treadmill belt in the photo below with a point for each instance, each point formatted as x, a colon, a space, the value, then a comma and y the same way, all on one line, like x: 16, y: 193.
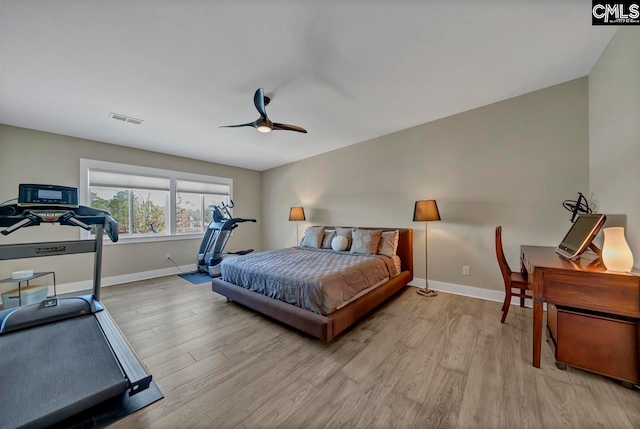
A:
x: 53, y: 371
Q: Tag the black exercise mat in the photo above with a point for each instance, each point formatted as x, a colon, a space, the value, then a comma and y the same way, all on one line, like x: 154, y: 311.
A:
x: 196, y: 278
x: 109, y: 412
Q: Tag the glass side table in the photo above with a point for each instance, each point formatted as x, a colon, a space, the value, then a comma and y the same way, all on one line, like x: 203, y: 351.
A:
x: 27, y: 280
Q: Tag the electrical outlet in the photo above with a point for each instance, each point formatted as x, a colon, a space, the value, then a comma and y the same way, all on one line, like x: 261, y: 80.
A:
x: 167, y: 256
x: 465, y: 270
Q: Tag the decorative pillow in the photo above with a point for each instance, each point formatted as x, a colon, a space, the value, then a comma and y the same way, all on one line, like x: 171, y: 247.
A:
x: 389, y: 243
x: 346, y: 233
x: 313, y: 237
x: 339, y: 243
x: 328, y: 237
x: 366, y: 241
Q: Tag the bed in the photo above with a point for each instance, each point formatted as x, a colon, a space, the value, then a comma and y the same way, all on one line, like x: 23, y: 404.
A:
x: 339, y: 316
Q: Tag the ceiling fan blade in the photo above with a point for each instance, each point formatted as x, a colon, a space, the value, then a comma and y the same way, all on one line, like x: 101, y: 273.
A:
x: 250, y: 124
x: 258, y: 100
x: 287, y: 127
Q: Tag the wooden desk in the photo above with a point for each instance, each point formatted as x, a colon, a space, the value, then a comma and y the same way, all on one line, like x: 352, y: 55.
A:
x: 583, y: 284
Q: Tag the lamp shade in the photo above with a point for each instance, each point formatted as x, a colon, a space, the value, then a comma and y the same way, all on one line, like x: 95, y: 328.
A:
x: 296, y: 214
x: 426, y: 210
x: 616, y: 253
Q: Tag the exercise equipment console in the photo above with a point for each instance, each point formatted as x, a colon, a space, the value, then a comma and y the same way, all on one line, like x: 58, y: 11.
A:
x: 64, y: 355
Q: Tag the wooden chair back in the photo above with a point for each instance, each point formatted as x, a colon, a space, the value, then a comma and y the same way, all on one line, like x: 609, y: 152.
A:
x: 502, y: 261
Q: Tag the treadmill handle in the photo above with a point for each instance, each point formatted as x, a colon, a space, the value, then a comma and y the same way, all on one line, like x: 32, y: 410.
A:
x: 16, y: 226
x: 79, y: 223
x: 111, y: 227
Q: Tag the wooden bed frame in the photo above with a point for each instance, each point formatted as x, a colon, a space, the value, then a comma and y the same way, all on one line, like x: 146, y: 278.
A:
x: 317, y: 325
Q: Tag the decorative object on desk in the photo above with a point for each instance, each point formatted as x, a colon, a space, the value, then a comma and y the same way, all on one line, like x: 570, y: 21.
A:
x: 511, y: 280
x: 296, y: 214
x: 616, y: 253
x: 581, y: 205
x: 426, y: 211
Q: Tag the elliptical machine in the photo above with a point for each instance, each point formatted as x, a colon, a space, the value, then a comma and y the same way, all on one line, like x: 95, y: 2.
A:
x: 211, y: 255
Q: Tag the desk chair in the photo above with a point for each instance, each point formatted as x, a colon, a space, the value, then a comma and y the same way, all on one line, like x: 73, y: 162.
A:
x: 511, y: 280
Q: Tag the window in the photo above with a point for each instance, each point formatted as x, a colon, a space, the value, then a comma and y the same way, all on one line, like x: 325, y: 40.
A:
x: 192, y: 202
x: 151, y: 203
x: 140, y: 204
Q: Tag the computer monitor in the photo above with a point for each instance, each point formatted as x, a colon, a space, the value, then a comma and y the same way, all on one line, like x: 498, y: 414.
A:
x: 579, y: 237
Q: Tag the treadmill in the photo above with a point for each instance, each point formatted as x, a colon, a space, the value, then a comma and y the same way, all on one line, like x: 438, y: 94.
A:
x: 210, y: 254
x: 63, y: 356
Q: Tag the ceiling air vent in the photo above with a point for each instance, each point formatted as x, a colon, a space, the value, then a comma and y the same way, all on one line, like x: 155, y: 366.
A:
x: 123, y: 118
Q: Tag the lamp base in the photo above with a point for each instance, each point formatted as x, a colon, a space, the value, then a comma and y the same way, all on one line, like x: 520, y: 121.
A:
x: 427, y: 292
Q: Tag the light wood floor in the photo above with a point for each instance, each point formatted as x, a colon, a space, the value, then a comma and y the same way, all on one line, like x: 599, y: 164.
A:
x: 414, y: 362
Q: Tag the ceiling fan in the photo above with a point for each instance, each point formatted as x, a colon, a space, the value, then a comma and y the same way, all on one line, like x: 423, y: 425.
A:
x: 263, y: 123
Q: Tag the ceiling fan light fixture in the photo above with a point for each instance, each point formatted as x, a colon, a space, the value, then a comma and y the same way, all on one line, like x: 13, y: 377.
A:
x: 263, y: 123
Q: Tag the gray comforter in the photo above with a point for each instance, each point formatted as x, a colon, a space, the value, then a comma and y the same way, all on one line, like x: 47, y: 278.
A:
x: 318, y: 280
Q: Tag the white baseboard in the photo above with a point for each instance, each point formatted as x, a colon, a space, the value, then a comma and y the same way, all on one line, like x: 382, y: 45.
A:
x: 124, y: 278
x: 471, y: 291
x: 87, y: 285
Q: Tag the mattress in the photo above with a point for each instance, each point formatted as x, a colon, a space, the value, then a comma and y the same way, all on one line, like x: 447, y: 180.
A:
x: 318, y: 280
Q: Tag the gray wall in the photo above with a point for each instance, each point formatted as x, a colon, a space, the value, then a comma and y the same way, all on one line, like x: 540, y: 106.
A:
x: 614, y: 132
x: 28, y: 156
x: 511, y: 163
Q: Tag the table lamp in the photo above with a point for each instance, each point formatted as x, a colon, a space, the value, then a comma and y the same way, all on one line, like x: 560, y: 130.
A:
x: 426, y: 211
x: 296, y: 214
x: 616, y: 253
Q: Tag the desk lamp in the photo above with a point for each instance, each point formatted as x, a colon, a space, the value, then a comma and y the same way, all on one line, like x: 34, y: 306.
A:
x: 296, y: 214
x: 616, y: 253
x: 426, y: 211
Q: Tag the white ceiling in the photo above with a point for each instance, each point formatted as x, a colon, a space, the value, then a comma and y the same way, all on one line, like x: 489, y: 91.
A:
x: 347, y: 71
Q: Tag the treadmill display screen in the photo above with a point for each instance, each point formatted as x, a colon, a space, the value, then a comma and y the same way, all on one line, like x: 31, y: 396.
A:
x: 49, y: 195
x: 33, y: 195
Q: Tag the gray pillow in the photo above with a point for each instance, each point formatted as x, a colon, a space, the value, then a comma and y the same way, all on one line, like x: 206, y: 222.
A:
x: 389, y: 243
x: 326, y: 241
x: 346, y: 233
x: 366, y: 241
x: 313, y: 237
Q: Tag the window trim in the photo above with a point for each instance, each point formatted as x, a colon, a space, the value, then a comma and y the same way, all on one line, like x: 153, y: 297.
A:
x: 174, y: 176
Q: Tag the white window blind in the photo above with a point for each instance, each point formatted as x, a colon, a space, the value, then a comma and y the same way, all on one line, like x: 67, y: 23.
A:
x: 109, y: 179
x: 202, y: 187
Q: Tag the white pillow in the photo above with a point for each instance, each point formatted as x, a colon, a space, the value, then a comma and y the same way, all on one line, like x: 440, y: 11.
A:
x: 339, y: 243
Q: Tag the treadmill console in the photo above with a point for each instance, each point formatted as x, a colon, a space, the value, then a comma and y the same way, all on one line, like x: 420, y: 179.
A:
x: 53, y: 204
x: 31, y: 195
